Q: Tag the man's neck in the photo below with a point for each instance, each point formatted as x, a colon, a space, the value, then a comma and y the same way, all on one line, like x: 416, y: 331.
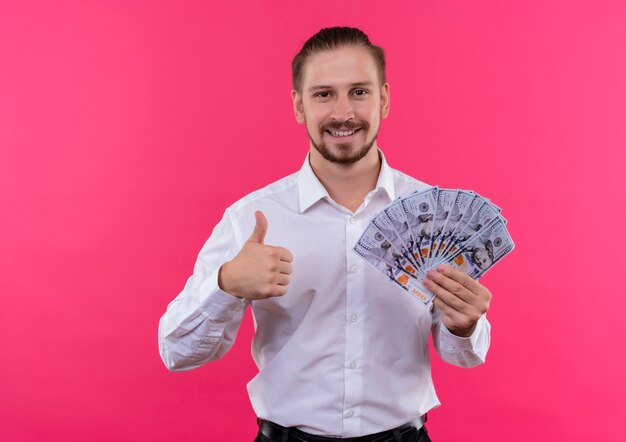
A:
x: 348, y: 184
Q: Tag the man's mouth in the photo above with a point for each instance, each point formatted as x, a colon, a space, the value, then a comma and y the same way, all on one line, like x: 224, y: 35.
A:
x: 342, y: 133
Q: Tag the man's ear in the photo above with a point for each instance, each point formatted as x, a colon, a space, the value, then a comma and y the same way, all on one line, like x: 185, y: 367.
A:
x: 298, y: 108
x: 384, y: 100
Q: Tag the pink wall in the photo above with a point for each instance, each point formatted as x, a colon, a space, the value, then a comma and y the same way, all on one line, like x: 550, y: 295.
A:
x: 126, y: 127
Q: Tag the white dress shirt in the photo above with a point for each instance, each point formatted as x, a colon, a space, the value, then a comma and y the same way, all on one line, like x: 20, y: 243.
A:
x: 345, y: 352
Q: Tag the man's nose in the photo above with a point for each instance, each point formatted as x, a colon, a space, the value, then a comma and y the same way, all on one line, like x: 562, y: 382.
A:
x: 343, y: 109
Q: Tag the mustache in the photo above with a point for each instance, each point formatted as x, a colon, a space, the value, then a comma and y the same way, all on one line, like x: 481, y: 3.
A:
x: 343, y: 125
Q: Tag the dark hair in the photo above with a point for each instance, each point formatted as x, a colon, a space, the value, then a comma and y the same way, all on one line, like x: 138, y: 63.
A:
x: 333, y: 38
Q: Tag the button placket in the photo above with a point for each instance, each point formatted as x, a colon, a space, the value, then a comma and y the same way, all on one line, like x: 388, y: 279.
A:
x: 355, y: 299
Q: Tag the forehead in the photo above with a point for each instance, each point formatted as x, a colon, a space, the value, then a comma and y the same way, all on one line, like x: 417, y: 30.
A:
x: 340, y: 67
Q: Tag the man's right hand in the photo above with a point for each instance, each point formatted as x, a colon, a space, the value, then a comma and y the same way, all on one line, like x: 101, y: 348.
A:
x: 258, y: 271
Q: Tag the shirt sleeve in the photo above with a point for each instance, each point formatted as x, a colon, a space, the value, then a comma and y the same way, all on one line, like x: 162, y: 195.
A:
x: 201, y: 323
x: 461, y: 351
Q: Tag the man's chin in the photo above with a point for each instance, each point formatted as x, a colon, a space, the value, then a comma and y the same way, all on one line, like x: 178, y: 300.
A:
x: 344, y: 154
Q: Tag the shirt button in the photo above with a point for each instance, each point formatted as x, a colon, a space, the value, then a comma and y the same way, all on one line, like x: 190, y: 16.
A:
x: 352, y: 364
x: 349, y: 413
x: 353, y: 269
x: 352, y: 221
x: 353, y: 317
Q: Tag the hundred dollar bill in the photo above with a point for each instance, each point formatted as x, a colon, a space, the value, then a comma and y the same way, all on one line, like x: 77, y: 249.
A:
x: 445, y: 201
x: 419, y: 209
x: 494, y: 205
x: 398, y: 276
x: 484, y: 249
x: 475, y: 205
x: 388, y: 228
x: 485, y: 214
x: 376, y: 244
x: 462, y: 203
x: 396, y: 214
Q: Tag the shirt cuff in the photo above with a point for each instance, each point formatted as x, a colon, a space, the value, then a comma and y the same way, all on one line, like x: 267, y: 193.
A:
x: 218, y: 304
x: 452, y: 343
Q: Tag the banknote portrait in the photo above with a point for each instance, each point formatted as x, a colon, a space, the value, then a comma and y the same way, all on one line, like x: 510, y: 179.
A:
x: 482, y: 255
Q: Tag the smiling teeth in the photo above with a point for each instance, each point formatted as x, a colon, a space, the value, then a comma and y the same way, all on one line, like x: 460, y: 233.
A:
x: 342, y: 134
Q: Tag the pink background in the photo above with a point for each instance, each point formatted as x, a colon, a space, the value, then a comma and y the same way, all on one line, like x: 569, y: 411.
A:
x: 126, y: 128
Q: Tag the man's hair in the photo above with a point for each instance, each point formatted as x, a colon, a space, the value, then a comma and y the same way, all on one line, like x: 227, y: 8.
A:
x: 333, y: 38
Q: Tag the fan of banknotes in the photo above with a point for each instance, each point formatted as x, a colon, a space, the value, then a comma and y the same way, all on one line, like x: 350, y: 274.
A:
x: 420, y: 231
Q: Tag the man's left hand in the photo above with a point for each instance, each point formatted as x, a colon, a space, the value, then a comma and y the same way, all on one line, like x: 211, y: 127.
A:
x: 461, y: 299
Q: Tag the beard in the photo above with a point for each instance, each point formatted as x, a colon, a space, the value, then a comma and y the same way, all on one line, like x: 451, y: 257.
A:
x: 346, y: 154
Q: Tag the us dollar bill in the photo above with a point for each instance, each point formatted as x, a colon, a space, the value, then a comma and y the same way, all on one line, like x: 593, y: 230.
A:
x: 445, y: 201
x: 424, y: 229
x: 387, y: 227
x: 483, y: 216
x: 419, y: 211
x: 378, y: 245
x: 396, y: 214
x: 484, y: 249
x: 397, y: 276
x: 462, y: 203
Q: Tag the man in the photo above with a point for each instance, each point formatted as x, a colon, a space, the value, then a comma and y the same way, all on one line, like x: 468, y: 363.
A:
x: 341, y: 351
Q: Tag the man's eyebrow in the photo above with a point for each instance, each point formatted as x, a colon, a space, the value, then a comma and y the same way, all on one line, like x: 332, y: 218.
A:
x: 357, y: 84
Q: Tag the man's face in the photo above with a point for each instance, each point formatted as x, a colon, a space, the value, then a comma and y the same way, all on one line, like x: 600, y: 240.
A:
x: 341, y: 103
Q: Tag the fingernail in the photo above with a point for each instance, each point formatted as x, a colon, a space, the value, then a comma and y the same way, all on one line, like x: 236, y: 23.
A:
x: 441, y: 268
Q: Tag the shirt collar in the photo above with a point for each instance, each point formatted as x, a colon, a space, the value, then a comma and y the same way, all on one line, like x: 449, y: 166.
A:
x: 311, y: 190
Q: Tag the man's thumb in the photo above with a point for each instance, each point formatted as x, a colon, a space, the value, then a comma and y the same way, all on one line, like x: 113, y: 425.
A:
x: 260, y: 228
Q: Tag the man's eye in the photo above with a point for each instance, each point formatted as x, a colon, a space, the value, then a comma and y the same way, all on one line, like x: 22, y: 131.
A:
x: 360, y: 92
x: 323, y: 94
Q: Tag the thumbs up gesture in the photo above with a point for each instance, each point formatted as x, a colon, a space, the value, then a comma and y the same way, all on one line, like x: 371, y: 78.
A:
x: 258, y: 271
